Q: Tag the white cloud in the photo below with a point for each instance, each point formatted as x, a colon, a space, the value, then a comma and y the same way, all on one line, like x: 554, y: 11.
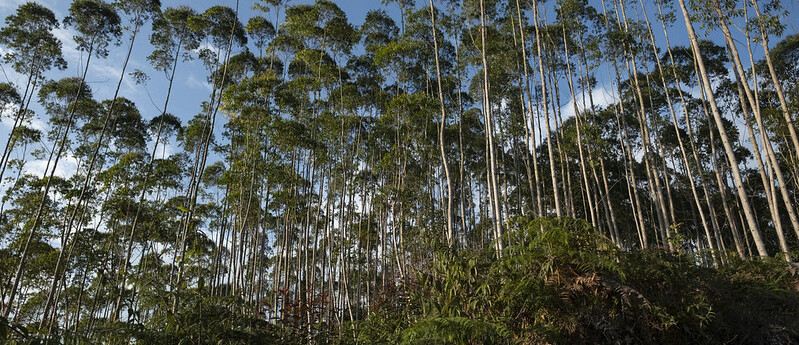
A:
x: 38, y: 124
x: 67, y: 166
x: 68, y: 48
x: 7, y: 120
x: 106, y: 72
x: 165, y: 150
x: 602, y: 95
x: 7, y: 7
x: 7, y: 114
x: 206, y: 46
x: 35, y: 123
x: 194, y: 82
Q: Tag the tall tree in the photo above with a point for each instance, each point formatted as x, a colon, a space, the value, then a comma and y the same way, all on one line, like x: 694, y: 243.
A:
x: 33, y: 50
x: 98, y: 26
x: 728, y: 150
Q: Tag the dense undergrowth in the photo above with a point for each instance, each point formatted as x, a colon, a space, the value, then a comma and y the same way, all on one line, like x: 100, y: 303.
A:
x: 557, y: 282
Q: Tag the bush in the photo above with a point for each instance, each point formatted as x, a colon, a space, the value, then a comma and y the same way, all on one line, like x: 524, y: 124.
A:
x: 560, y: 282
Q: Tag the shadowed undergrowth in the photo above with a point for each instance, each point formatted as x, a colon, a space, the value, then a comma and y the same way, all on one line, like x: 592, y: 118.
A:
x: 557, y: 282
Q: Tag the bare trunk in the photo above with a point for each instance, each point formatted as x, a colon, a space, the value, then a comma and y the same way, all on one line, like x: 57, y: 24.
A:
x: 747, y: 208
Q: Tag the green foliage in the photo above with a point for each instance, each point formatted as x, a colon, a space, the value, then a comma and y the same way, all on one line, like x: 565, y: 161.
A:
x: 28, y: 34
x: 97, y: 23
x: 204, y: 320
x: 12, y: 333
x: 317, y: 214
x: 454, y: 330
x: 172, y: 38
x: 559, y: 281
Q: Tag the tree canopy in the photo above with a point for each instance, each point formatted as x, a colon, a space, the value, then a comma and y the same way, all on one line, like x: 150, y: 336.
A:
x: 436, y: 172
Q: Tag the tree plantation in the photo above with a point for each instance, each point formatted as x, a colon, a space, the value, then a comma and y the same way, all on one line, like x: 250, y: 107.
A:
x: 399, y: 172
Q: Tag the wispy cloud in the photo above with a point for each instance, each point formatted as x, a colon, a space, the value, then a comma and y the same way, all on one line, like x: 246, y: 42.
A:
x: 67, y: 166
x: 103, y: 73
x: 194, y: 82
x: 8, y: 7
x: 602, y: 95
x: 38, y: 124
x: 165, y: 150
x: 8, y: 114
x: 68, y: 48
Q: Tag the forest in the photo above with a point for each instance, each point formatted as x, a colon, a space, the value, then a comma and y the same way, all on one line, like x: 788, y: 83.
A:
x: 399, y: 172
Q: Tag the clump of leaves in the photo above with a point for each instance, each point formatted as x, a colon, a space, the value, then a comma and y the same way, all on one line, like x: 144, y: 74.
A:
x: 559, y: 281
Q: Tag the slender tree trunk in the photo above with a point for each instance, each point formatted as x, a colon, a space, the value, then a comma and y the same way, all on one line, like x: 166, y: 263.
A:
x: 583, y: 171
x: 764, y: 39
x: 544, y: 103
x: 450, y: 234
x: 38, y: 218
x: 87, y: 180
x: 490, y: 134
x: 528, y: 121
x: 747, y: 208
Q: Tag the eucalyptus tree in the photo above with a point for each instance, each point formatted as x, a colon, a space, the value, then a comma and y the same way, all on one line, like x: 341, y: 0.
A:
x: 617, y: 45
x: 721, y: 16
x: 482, y: 13
x: 529, y: 118
x: 589, y: 55
x: 685, y: 71
x: 222, y: 28
x: 33, y: 50
x: 396, y: 58
x: 174, y: 39
x: 764, y: 91
x: 261, y: 31
x: 739, y: 185
x: 126, y: 135
x: 692, y: 181
x: 23, y: 199
x: 379, y: 31
x: 343, y: 37
x: 545, y: 107
x: 450, y: 234
x: 98, y: 25
x: 62, y: 100
x: 247, y: 105
x: 139, y: 12
x: 568, y: 14
x: 768, y: 24
x: 317, y: 39
x: 631, y: 47
x: 773, y: 170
